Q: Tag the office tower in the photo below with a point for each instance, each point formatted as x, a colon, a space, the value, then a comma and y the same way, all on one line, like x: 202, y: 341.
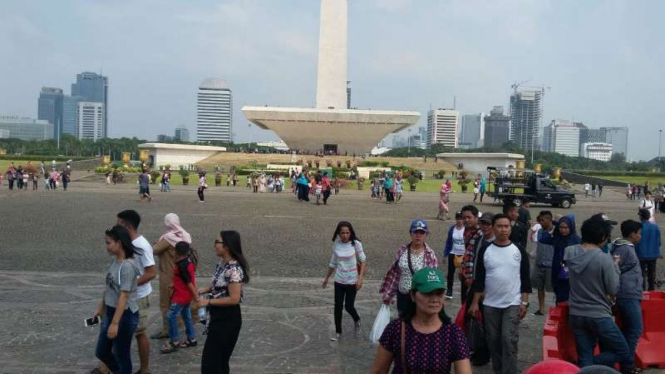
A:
x: 163, y: 138
x: 182, y: 134
x: 443, y: 127
x: 26, y: 128
x: 597, y: 151
x: 214, y: 111
x: 93, y: 88
x: 497, y: 128
x: 562, y: 137
x: 525, y: 112
x: 588, y: 135
x: 90, y: 120
x: 473, y: 130
x: 618, y: 137
x: 70, y: 106
x: 50, y: 108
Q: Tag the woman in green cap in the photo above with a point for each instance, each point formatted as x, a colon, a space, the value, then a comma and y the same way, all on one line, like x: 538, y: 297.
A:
x: 423, y: 340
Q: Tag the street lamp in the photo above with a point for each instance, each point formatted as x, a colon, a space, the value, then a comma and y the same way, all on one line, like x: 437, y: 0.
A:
x: 660, y: 135
x: 408, y: 140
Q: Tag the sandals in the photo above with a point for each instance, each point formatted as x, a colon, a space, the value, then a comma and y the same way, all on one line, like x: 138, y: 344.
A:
x: 169, y: 347
x: 188, y: 343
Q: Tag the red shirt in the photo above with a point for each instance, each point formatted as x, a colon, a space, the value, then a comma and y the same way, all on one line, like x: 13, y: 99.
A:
x: 183, y: 274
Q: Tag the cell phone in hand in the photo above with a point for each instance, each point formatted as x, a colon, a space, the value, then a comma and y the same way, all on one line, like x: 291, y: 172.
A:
x: 92, y: 321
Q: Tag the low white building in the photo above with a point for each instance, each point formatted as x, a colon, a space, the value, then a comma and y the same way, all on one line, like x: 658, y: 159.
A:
x: 479, y: 162
x: 597, y: 151
x: 161, y: 154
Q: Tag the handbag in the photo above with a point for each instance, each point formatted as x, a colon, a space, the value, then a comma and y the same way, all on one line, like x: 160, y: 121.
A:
x: 458, y: 260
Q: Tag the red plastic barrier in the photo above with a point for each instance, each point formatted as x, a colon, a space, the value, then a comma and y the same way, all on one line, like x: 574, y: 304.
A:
x: 552, y: 367
x: 559, y: 342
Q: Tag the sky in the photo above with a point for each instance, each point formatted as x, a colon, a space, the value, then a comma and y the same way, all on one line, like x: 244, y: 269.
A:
x: 602, y: 60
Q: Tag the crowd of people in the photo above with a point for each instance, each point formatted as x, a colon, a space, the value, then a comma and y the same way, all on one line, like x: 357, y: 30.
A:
x: 25, y: 178
x: 388, y: 185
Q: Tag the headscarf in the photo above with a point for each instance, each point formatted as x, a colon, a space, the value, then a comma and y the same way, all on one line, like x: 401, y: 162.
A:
x: 175, y: 233
x: 573, y: 238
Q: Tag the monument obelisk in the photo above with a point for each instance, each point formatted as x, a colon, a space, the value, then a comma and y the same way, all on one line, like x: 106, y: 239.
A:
x: 331, y: 80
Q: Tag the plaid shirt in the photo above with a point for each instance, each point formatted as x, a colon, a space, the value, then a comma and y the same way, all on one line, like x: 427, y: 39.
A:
x: 390, y: 285
x: 472, y: 239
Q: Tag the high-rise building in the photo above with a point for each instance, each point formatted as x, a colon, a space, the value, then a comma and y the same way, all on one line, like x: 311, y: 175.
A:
x: 497, y: 128
x: 443, y: 127
x: 163, y: 138
x: 90, y: 120
x: 597, y: 151
x: 525, y: 112
x: 182, y: 134
x: 214, y: 111
x: 618, y: 137
x: 49, y: 108
x: 473, y: 130
x: 26, y: 128
x: 70, y: 105
x: 418, y: 141
x: 588, y: 135
x: 562, y: 137
x: 93, y: 88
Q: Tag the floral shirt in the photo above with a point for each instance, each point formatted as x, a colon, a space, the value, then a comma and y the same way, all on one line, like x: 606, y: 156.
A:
x: 391, y: 282
x: 226, y: 274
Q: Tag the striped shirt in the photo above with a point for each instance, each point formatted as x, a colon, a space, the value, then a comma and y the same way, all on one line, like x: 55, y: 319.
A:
x: 344, y: 260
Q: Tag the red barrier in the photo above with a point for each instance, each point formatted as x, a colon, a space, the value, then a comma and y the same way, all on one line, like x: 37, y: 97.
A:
x: 559, y: 343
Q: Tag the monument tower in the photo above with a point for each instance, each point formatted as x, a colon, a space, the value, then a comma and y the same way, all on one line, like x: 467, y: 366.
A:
x: 331, y: 127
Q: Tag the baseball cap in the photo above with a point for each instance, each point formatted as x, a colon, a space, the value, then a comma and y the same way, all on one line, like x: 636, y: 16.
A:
x: 427, y: 280
x: 603, y: 217
x: 486, y: 217
x: 418, y: 225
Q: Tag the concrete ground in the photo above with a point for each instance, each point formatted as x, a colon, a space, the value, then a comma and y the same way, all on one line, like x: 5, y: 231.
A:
x: 54, y: 260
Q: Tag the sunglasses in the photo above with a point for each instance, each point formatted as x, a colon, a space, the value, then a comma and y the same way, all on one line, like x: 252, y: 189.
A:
x: 219, y: 242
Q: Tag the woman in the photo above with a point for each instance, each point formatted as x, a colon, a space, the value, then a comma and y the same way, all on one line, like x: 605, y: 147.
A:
x: 423, y: 340
x: 226, y: 293
x: 483, y: 188
x: 444, y: 200
x: 348, y: 264
x: 410, y: 258
x: 648, y: 204
x: 564, y: 236
x: 303, y: 187
x: 118, y: 304
x: 202, y: 186
x: 262, y: 183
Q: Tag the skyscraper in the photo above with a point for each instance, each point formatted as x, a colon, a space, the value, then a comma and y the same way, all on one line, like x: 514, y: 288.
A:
x: 618, y: 137
x: 93, y: 88
x: 49, y: 108
x: 473, y: 129
x: 525, y: 112
x: 182, y: 134
x: 214, y: 111
x: 70, y: 106
x: 562, y: 137
x: 90, y: 120
x: 443, y: 127
x: 497, y: 126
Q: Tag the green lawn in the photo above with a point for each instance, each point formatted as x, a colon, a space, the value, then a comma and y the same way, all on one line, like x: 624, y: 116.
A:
x: 653, y: 181
x: 4, y: 164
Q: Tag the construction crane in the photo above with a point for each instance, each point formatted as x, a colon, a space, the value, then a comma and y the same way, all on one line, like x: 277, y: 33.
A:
x: 516, y: 85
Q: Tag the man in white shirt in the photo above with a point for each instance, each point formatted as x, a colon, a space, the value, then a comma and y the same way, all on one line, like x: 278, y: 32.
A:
x: 145, y: 261
x: 502, y: 280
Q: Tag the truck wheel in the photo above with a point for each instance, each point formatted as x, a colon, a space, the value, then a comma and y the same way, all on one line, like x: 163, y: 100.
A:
x: 565, y: 203
x: 517, y: 202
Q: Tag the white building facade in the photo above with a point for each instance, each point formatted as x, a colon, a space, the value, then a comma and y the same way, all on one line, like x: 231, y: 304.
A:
x: 443, y: 127
x: 597, y: 151
x: 90, y: 120
x: 214, y: 111
x: 562, y: 137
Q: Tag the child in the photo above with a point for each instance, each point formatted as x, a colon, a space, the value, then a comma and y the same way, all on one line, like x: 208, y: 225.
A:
x: 372, y: 185
x: 318, y: 190
x: 35, y: 181
x: 184, y: 290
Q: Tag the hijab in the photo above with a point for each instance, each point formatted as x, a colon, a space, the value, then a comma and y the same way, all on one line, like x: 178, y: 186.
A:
x: 573, y: 238
x: 175, y: 233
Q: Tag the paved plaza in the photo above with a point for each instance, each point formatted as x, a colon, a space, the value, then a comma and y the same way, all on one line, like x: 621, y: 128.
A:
x: 54, y: 261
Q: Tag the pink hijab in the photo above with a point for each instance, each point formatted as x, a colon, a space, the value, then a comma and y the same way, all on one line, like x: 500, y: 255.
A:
x: 175, y: 233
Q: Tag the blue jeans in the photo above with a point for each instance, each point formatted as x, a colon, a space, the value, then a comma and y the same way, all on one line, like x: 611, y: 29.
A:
x: 186, y: 313
x: 116, y: 353
x: 590, y: 331
x: 631, y: 318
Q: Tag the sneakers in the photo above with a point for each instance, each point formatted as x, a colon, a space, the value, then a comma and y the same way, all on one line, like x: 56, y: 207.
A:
x: 449, y: 294
x: 357, y: 327
x: 336, y: 337
x: 538, y: 313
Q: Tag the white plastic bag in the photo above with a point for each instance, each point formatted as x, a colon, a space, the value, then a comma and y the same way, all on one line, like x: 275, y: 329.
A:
x: 380, y: 323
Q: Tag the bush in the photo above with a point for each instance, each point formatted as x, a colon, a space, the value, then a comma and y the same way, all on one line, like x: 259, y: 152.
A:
x: 154, y: 175
x: 369, y: 163
x: 183, y: 172
x: 413, y: 180
x: 343, y: 183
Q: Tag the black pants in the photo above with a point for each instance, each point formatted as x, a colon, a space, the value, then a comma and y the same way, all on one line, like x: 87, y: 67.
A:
x: 52, y: 184
x: 225, y: 324
x: 403, y: 300
x: 345, y: 298
x: 389, y: 194
x: 326, y: 195
x: 200, y: 192
x: 451, y: 273
x: 649, y: 274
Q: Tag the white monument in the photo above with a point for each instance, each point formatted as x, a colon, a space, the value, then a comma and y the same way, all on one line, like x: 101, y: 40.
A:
x: 331, y: 127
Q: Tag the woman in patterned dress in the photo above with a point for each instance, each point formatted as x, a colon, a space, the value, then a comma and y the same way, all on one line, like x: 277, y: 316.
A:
x: 226, y: 292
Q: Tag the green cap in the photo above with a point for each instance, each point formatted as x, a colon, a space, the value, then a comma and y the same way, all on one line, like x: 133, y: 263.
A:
x: 427, y: 280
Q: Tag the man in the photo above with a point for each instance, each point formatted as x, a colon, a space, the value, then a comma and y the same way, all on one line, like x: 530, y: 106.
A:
x: 541, y: 275
x: 594, y: 276
x: 472, y: 238
x: 630, y: 285
x: 145, y: 261
x: 648, y: 249
x: 502, y: 281
x: 519, y: 232
x: 144, y: 185
x: 600, y: 189
x: 525, y: 214
x: 485, y: 225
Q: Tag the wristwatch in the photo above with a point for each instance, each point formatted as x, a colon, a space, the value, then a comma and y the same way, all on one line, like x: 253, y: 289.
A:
x: 525, y: 303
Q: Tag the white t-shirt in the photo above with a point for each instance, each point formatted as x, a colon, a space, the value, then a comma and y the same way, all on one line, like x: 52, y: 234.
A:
x: 458, y: 241
x: 143, y: 260
x: 502, y: 276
